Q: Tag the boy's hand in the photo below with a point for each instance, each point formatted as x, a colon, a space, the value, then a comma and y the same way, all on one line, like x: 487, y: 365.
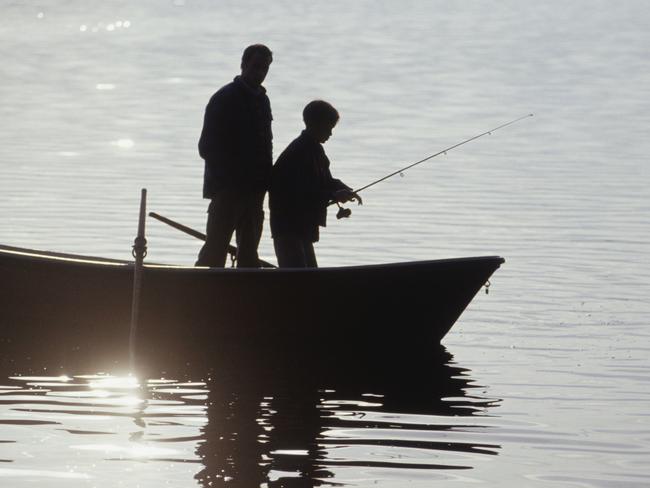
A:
x: 345, y: 195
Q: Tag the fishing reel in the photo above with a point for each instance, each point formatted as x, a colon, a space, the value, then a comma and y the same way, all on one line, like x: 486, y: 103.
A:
x: 343, y: 213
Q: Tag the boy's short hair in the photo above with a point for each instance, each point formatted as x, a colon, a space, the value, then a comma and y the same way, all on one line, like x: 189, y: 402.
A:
x: 319, y: 111
x: 253, y: 49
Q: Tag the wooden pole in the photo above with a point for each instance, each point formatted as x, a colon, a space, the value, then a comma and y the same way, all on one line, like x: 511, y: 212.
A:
x: 139, y: 252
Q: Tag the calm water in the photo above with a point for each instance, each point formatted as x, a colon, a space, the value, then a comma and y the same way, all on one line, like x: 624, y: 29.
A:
x: 545, y: 382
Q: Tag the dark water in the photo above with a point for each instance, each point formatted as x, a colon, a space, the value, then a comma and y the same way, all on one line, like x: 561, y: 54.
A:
x: 100, y: 99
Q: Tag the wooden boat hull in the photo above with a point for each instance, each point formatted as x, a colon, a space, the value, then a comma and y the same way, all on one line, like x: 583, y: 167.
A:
x: 80, y: 305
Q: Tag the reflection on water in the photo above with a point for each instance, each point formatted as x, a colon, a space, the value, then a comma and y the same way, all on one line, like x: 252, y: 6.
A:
x: 280, y: 424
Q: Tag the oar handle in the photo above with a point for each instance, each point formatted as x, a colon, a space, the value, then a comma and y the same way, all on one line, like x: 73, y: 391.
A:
x: 183, y: 228
x: 232, y: 250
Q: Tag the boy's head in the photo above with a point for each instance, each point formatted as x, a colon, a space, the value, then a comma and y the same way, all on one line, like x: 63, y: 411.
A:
x: 320, y: 118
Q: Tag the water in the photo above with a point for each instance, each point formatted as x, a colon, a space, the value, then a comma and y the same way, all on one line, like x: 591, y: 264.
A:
x: 550, y: 370
x: 234, y: 427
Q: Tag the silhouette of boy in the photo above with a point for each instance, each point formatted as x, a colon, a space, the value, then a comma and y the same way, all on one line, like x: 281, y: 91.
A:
x: 302, y: 187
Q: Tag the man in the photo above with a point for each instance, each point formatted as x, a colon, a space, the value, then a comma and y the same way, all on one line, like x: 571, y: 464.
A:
x: 236, y: 144
x: 302, y: 187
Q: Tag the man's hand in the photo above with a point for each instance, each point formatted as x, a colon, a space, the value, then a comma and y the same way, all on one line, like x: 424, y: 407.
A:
x: 345, y: 195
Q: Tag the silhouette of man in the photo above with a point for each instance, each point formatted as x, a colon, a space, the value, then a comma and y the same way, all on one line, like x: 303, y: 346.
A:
x: 302, y: 187
x: 236, y: 144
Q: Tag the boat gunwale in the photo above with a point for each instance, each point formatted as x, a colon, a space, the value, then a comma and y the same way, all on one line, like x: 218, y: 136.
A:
x: 77, y: 259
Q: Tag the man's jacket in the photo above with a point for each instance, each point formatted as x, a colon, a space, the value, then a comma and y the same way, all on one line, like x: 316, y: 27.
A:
x: 236, y: 140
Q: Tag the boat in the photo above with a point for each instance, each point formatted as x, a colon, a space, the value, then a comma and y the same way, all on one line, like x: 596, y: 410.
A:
x: 71, y: 305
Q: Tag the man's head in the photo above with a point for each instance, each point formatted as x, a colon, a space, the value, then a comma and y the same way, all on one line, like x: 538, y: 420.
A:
x: 255, y: 64
x: 320, y: 118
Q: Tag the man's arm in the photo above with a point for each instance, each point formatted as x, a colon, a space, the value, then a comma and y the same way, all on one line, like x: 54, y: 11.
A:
x: 217, y: 126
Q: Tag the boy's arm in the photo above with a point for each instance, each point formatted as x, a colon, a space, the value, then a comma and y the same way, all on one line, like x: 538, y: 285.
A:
x: 341, y: 193
x: 346, y: 195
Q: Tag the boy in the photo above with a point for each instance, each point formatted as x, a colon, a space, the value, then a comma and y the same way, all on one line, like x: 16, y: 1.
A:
x: 302, y: 187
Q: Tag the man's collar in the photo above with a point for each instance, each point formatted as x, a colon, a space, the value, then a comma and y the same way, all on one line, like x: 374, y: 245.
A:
x: 259, y: 91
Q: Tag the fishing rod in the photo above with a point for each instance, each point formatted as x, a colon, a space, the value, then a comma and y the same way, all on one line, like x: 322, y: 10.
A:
x: 344, y: 212
x: 444, y: 151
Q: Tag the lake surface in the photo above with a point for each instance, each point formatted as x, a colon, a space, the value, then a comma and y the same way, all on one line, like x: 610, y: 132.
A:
x: 545, y: 382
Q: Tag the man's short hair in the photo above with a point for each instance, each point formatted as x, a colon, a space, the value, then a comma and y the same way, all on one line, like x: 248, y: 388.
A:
x: 254, y: 49
x: 320, y: 111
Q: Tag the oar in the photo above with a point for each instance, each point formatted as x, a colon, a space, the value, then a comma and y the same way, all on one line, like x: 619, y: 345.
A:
x: 232, y: 250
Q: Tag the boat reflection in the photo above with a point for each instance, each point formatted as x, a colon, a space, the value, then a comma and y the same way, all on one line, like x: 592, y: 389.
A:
x: 240, y: 421
x: 301, y: 423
